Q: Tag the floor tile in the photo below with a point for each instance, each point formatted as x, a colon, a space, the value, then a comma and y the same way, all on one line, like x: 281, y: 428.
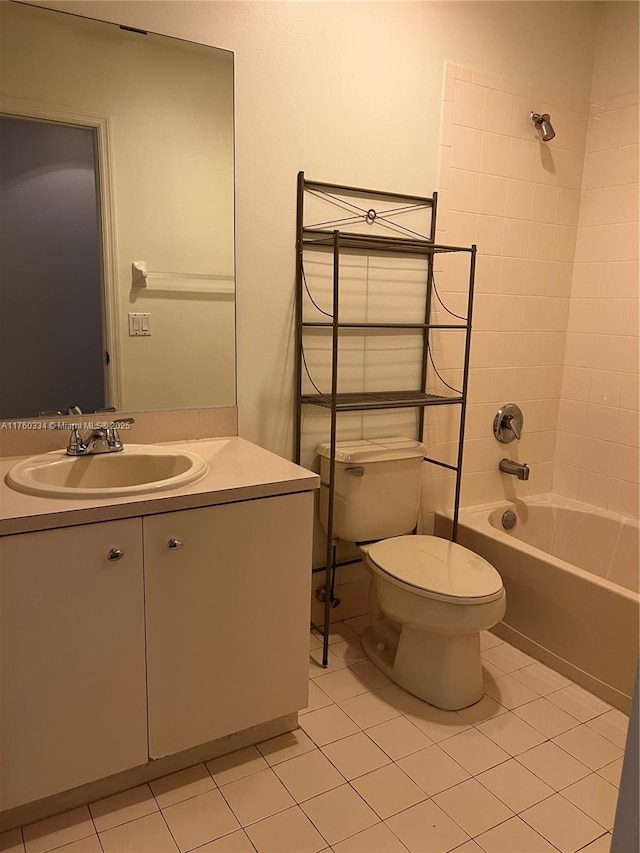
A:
x: 553, y: 765
x: 510, y: 692
x: 612, y: 772
x: 588, y: 747
x: 356, y: 755
x: 469, y: 847
x: 181, y: 785
x: 371, y: 674
x: 579, y: 703
x: 350, y: 651
x: 514, y: 836
x: 290, y: 831
x: 488, y: 640
x: 438, y: 725
x: 84, y: 845
x: 257, y: 796
x: 541, y: 678
x: 315, y: 641
x: 561, y: 823
x: 235, y: 842
x: 474, y: 751
x: 473, y: 807
x: 596, y: 797
x: 139, y: 836
x: 317, y: 698
x: 55, y: 831
x: 546, y: 717
x: 433, y: 770
x: 11, y: 841
x: 486, y: 709
x: 342, y: 684
x: 285, y: 746
x: 507, y: 657
x: 600, y: 845
x: 388, y: 790
x: 516, y: 786
x: 315, y: 663
x: 376, y: 839
x: 613, y: 726
x: 339, y: 813
x: 200, y: 819
x: 511, y: 733
x: 490, y: 671
x: 328, y: 724
x: 425, y: 828
x: 121, y: 808
x: 368, y: 710
x: 338, y: 633
x: 308, y: 775
x: 358, y: 623
x: 398, y: 737
x: 399, y: 699
x: 236, y: 765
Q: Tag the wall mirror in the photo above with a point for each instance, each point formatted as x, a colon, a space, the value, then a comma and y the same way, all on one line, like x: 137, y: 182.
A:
x: 117, y: 229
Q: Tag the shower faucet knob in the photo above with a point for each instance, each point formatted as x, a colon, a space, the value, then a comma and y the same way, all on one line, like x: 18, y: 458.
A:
x: 507, y: 424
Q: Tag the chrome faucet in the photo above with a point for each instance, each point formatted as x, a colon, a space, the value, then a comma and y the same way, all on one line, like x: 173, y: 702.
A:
x: 518, y: 469
x: 102, y: 439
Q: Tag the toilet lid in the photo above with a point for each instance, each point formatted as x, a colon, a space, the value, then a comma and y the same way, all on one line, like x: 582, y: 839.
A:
x: 437, y: 568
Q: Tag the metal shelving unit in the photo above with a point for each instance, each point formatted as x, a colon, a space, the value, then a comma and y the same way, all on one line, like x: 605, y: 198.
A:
x: 334, y: 236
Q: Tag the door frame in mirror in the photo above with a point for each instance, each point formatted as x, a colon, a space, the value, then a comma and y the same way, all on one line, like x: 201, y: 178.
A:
x: 18, y: 108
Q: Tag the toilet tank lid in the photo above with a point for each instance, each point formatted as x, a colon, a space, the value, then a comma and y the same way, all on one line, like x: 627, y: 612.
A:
x: 374, y: 449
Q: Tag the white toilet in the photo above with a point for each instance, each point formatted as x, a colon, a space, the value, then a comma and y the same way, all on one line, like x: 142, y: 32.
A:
x: 429, y: 597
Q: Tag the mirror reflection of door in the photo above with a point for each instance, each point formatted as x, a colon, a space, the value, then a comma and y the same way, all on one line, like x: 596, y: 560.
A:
x: 50, y: 270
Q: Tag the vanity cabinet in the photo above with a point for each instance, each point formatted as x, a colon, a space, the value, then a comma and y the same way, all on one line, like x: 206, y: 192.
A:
x: 109, y: 660
x: 227, y: 620
x: 72, y: 658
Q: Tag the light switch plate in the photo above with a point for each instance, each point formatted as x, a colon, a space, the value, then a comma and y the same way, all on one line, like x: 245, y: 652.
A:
x: 139, y: 324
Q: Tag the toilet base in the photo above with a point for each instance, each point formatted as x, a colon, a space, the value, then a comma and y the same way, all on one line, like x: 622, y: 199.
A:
x: 444, y: 670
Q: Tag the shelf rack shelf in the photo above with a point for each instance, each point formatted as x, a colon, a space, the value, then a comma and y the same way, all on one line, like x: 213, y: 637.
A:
x: 370, y: 400
x: 333, y: 236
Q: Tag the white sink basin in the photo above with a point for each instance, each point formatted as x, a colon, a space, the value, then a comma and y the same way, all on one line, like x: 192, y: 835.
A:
x: 138, y: 469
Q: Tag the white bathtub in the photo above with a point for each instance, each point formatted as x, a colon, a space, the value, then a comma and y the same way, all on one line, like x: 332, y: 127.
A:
x: 571, y: 574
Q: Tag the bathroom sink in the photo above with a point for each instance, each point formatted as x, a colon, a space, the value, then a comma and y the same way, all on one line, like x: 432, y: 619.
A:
x: 138, y: 469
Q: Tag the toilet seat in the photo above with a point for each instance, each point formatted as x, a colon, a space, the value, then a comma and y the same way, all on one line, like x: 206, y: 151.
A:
x: 436, y: 568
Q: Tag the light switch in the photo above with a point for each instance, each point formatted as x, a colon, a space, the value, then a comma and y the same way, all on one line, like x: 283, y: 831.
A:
x: 139, y: 324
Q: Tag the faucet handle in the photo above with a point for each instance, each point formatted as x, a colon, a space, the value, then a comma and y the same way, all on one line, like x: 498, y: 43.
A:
x: 513, y: 423
x: 113, y: 436
x: 76, y: 446
x: 508, y: 422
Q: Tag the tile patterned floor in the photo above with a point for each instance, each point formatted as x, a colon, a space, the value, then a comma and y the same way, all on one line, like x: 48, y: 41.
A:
x: 533, y: 767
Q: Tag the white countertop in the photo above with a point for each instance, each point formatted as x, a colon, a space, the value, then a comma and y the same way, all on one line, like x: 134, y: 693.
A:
x: 238, y: 471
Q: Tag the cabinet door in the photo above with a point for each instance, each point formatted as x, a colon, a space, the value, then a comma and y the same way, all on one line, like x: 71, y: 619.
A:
x: 227, y: 618
x: 72, y: 672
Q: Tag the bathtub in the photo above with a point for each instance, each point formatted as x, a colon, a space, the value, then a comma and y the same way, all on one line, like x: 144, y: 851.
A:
x: 571, y: 575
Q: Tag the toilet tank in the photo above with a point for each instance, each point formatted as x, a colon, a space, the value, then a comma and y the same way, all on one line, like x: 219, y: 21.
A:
x: 377, y: 487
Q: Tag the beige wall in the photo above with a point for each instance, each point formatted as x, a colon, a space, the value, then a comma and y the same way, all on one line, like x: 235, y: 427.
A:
x: 169, y: 108
x: 352, y: 92
x: 517, y: 198
x: 597, y: 442
x: 347, y: 92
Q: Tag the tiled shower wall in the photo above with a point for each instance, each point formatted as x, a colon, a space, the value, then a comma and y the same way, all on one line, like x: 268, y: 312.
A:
x: 597, y: 442
x: 518, y: 199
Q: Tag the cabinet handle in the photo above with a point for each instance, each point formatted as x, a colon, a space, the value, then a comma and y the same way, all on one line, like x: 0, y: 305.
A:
x: 174, y: 544
x: 115, y: 554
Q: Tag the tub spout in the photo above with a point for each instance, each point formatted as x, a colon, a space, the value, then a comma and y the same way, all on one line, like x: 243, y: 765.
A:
x: 518, y: 469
